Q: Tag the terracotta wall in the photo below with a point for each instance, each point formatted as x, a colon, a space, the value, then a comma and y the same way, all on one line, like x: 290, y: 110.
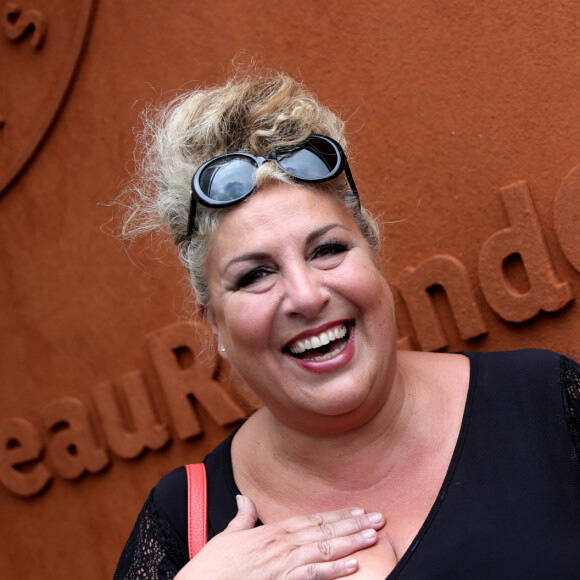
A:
x: 465, y: 124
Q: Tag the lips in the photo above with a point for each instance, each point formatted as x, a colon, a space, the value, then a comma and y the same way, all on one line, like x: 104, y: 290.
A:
x: 322, y: 346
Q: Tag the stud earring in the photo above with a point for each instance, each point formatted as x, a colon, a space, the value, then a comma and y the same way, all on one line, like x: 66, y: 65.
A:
x: 222, y: 348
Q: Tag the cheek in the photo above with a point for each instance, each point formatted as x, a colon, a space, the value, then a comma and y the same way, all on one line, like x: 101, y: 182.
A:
x: 365, y: 286
x: 248, y: 322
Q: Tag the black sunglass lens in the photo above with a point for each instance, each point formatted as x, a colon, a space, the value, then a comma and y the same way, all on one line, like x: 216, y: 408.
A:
x: 228, y: 179
x: 317, y: 161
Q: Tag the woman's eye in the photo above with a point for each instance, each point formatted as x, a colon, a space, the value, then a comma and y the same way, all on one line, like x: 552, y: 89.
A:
x: 329, y: 249
x: 253, y: 276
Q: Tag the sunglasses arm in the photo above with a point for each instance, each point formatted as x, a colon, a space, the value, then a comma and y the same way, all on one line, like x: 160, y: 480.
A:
x: 192, y: 211
x: 350, y: 180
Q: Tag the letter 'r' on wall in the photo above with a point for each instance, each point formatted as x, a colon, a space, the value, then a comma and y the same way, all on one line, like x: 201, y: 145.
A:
x: 196, y: 379
x: 523, y: 238
x: 450, y: 273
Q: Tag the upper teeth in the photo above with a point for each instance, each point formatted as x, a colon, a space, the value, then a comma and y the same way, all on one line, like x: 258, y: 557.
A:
x: 317, y: 341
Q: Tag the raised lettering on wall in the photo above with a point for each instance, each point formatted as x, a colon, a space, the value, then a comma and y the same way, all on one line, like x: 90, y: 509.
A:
x: 449, y: 273
x: 567, y: 217
x: 146, y: 433
x: 19, y: 24
x: 37, y: 86
x: 170, y: 347
x: 524, y: 238
x: 73, y: 449
x: 20, y: 444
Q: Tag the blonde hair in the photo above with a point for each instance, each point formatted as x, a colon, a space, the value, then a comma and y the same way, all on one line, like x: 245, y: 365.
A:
x: 254, y: 114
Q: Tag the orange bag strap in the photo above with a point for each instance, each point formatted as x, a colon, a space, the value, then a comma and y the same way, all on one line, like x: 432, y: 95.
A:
x: 196, y: 507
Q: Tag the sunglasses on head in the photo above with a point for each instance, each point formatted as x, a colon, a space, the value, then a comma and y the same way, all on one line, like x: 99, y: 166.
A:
x: 230, y: 178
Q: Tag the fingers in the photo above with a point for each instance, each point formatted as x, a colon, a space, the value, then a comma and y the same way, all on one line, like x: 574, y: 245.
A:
x: 326, y: 527
x: 318, y: 547
x: 325, y: 571
x: 337, y: 548
x: 325, y: 549
x: 340, y: 528
x: 330, y: 559
x: 301, y: 522
x: 246, y: 517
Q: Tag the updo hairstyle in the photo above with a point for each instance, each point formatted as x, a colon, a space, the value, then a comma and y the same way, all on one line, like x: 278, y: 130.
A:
x: 253, y: 114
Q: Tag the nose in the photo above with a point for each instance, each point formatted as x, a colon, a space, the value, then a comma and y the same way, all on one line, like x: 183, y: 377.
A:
x: 305, y: 293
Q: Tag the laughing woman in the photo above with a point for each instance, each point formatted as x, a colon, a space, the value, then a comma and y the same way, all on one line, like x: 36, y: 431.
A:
x: 363, y: 461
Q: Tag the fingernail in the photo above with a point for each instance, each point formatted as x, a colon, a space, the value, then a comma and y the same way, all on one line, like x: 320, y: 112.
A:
x: 351, y: 565
x: 356, y: 511
x: 375, y: 518
x: 369, y: 534
x: 240, y: 500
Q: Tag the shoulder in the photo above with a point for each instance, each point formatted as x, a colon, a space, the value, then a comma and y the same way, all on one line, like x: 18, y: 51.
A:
x: 529, y: 368
x: 518, y: 365
x: 570, y: 371
x: 545, y: 383
x: 526, y: 358
x: 436, y: 365
x: 520, y: 379
x: 155, y: 548
x: 170, y: 495
x: 571, y: 397
x: 170, y: 499
x: 169, y: 484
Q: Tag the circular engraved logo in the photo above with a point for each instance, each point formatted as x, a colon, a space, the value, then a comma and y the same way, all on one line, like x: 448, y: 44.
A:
x: 41, y: 45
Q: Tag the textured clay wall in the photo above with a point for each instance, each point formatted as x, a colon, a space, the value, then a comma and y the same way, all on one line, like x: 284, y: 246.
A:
x: 465, y: 124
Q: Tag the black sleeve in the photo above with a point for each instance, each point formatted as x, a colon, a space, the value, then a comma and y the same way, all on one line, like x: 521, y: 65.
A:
x: 570, y: 372
x: 155, y: 549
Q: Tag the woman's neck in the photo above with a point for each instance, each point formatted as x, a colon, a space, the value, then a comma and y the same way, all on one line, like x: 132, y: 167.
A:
x: 268, y: 451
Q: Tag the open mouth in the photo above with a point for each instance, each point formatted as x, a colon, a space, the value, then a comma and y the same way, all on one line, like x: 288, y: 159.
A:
x: 322, y: 346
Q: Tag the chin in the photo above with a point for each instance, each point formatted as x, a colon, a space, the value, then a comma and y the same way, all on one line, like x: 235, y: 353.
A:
x: 340, y: 402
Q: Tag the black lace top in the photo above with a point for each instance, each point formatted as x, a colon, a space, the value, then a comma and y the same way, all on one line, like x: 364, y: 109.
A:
x: 509, y: 506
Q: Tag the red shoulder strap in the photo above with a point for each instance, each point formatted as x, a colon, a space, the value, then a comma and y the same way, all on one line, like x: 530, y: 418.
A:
x: 196, y: 507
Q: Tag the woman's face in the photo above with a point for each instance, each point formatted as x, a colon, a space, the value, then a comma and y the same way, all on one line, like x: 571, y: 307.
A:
x: 304, y: 314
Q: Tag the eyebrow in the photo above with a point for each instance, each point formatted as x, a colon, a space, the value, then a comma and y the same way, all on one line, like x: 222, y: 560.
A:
x: 257, y: 256
x: 319, y: 233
